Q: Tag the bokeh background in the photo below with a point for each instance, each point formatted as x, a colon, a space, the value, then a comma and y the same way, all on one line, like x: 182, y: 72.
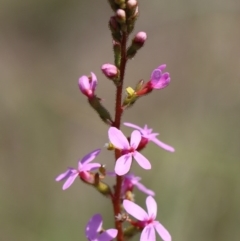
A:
x: 46, y: 123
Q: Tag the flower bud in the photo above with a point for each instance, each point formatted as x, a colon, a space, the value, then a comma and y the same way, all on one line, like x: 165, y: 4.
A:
x: 115, y: 29
x: 121, y: 15
x: 110, y: 71
x: 137, y: 43
x: 87, y: 85
x: 140, y: 39
x: 131, y: 4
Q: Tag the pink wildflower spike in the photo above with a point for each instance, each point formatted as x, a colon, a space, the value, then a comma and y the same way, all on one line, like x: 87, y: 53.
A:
x: 158, y: 79
x: 148, y: 135
x: 128, y: 151
x: 88, y: 86
x: 84, y: 167
x: 147, y: 220
x: 93, y: 230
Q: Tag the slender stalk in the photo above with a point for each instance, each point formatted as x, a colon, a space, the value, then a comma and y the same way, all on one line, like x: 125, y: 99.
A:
x: 117, y: 123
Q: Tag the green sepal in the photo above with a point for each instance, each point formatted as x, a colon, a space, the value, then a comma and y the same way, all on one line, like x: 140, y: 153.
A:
x: 130, y: 232
x: 102, y: 187
x: 113, y: 5
x: 100, y: 109
x: 117, y: 54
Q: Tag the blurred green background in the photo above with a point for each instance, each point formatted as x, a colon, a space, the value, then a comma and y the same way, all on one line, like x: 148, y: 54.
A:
x: 46, y: 124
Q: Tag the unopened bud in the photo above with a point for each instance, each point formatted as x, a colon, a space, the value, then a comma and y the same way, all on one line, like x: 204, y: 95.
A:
x: 137, y: 43
x: 115, y: 29
x: 131, y: 4
x: 110, y: 71
x: 121, y: 15
x: 140, y: 39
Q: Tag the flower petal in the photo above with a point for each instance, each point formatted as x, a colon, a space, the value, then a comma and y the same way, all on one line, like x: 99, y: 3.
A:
x: 163, y: 145
x: 163, y: 233
x: 132, y: 125
x: 123, y: 164
x: 108, y: 235
x: 90, y: 156
x: 83, y: 83
x: 93, y: 226
x: 148, y: 233
x: 117, y: 138
x: 135, y: 139
x: 156, y: 76
x: 162, y: 67
x: 64, y: 175
x: 70, y: 180
x: 135, y: 210
x: 142, y: 160
x: 162, y: 82
x: 89, y: 167
x: 143, y: 189
x: 151, y: 207
x: 93, y: 83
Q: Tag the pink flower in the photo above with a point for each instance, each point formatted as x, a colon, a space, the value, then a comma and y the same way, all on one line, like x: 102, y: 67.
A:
x: 158, y: 79
x: 148, y: 135
x: 93, y: 230
x: 128, y: 150
x: 130, y: 181
x: 147, y: 220
x: 84, y: 166
x: 88, y: 85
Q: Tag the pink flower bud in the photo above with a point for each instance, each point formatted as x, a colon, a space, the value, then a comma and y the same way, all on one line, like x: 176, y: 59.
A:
x: 140, y: 38
x: 88, y: 85
x: 121, y: 15
x: 131, y: 4
x: 110, y: 70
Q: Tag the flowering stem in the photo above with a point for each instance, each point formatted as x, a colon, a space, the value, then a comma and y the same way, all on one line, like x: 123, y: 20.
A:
x: 117, y: 123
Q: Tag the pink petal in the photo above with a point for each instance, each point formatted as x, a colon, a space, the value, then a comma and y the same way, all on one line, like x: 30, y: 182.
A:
x: 162, y: 67
x: 123, y: 164
x: 163, y: 233
x: 90, y: 156
x: 93, y: 82
x: 143, y: 189
x: 148, y: 234
x: 83, y: 83
x: 162, y: 82
x: 70, y: 181
x: 151, y: 207
x: 64, y: 175
x: 135, y: 210
x: 90, y: 167
x: 156, y: 76
x: 163, y: 145
x: 135, y: 139
x: 93, y: 226
x: 132, y: 125
x: 117, y: 138
x: 108, y: 235
x: 142, y: 160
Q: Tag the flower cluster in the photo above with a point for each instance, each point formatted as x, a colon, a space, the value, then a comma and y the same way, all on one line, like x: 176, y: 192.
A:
x: 127, y: 149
